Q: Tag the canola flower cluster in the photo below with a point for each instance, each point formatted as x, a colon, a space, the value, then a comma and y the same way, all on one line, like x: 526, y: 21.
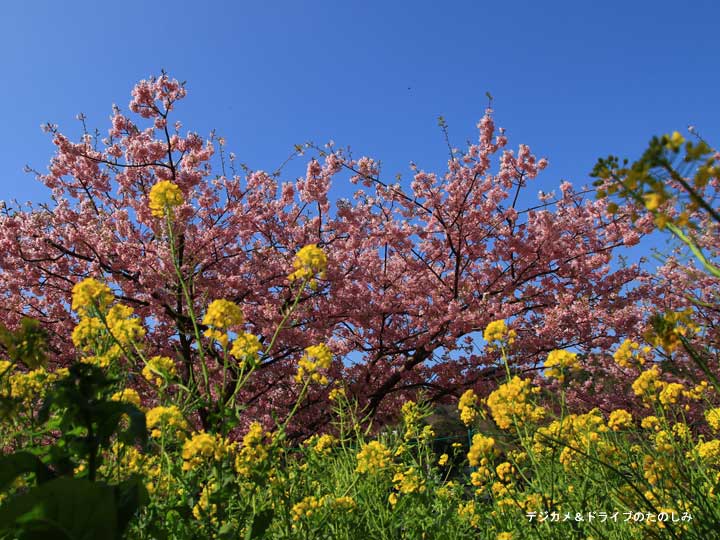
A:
x: 511, y: 403
x: 311, y: 505
x: 164, y: 419
x: 668, y: 329
x: 108, y: 331
x: 253, y: 452
x: 321, y: 445
x: 246, y: 347
x: 221, y: 316
x: 201, y: 448
x: 309, y: 262
x: 316, y: 357
x: 89, y: 294
x: 159, y: 370
x: 467, y: 407
x: 650, y: 388
x: 164, y: 196
x: 630, y: 355
x: 409, y: 481
x: 26, y: 386
x: 559, y: 363
x: 373, y: 458
x: 499, y: 331
x: 482, y: 447
x: 128, y: 395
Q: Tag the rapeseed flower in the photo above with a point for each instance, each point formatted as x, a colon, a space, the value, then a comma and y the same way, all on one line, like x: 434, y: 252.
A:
x: 127, y: 395
x: 498, y: 331
x: 158, y: 369
x: 559, y: 362
x: 166, y: 417
x: 316, y: 357
x: 201, y: 448
x: 222, y: 315
x: 246, y: 346
x: 510, y: 402
x: 373, y: 458
x: 481, y: 447
x: 466, y: 406
x: 164, y: 196
x: 309, y: 262
x: 620, y: 419
x: 90, y: 293
x: 409, y: 481
x: 712, y: 417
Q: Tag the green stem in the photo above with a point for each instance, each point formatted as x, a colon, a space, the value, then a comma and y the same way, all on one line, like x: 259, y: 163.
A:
x: 188, y: 301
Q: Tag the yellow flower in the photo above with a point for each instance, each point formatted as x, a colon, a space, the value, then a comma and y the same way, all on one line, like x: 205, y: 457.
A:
x: 668, y: 328
x: 336, y: 394
x: 373, y: 457
x: 88, y: 333
x: 411, y: 413
x: 123, y: 327
x: 321, y: 444
x: 498, y: 331
x: 201, y: 448
x: 559, y: 362
x: 653, y: 200
x: 647, y: 384
x: 159, y: 417
x: 466, y: 511
x: 697, y: 393
x: 127, y: 395
x: 505, y: 536
x: 651, y: 423
x: 510, y: 402
x: 505, y: 471
x: 222, y: 315
x: 316, y: 357
x: 306, y: 508
x: 409, y: 481
x: 246, y: 346
x: 31, y: 385
x: 344, y: 503
x: 671, y: 393
x: 674, y: 141
x: 309, y: 261
x: 661, y: 220
x: 620, y: 419
x: 164, y: 196
x: 442, y: 461
x: 253, y: 452
x: 466, y: 406
x: 713, y: 418
x: 481, y: 447
x: 91, y: 293
x: 709, y: 451
x: 203, y: 508
x: 628, y: 354
x: 159, y: 368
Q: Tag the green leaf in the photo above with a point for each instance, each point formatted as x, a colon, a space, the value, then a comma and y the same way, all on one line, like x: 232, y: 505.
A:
x: 62, y: 508
x: 260, y: 524
x: 130, y: 496
x: 14, y: 465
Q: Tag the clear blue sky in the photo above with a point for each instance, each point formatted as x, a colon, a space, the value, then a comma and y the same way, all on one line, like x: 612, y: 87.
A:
x: 574, y: 80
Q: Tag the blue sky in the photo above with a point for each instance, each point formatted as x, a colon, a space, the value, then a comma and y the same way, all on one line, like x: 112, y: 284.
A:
x: 574, y: 80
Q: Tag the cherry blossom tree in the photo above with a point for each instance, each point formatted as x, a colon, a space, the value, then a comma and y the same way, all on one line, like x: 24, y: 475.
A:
x: 414, y: 271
